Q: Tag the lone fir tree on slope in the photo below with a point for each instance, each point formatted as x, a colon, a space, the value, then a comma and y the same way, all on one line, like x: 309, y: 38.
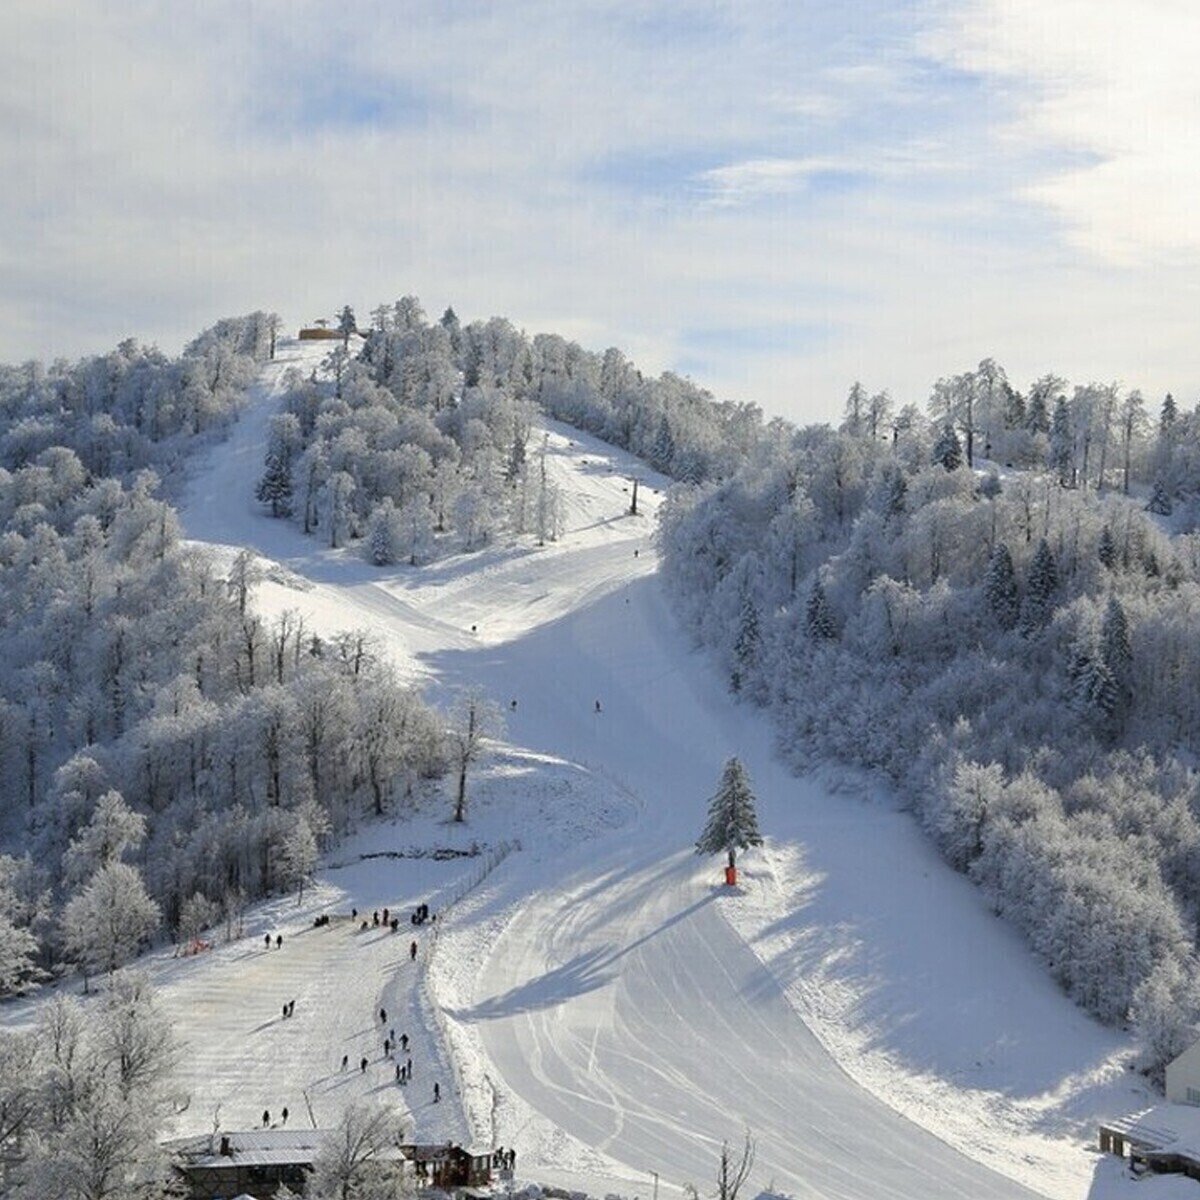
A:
x: 732, y: 822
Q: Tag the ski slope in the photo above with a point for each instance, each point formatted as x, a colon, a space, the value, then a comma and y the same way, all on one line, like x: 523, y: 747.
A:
x: 599, y: 1001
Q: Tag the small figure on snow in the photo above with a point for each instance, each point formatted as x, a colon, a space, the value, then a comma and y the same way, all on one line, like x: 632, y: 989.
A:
x: 437, y: 1093
x: 412, y: 950
x: 266, y: 1117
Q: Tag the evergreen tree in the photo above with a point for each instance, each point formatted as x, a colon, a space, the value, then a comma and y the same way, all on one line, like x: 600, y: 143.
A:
x: 1116, y: 648
x: 818, y: 616
x: 732, y: 821
x: 662, y: 453
x: 748, y: 643
x: 1037, y: 415
x: 1167, y: 417
x: 1038, y: 606
x: 275, y: 487
x: 1159, y: 502
x: 1094, y: 692
x: 947, y: 450
x: 384, y: 534
x: 1062, y: 445
x: 1000, y: 588
x: 1106, y: 550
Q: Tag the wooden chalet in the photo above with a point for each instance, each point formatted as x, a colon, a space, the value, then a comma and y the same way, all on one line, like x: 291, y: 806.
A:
x: 447, y: 1166
x: 255, y: 1163
x: 252, y: 1163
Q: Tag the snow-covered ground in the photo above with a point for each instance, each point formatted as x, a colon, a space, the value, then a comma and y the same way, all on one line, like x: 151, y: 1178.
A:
x: 595, y: 998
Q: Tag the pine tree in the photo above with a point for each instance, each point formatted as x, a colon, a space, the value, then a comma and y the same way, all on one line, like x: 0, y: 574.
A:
x: 1106, y: 550
x: 897, y: 493
x: 747, y: 644
x: 732, y: 822
x: 1062, y: 442
x: 1159, y: 502
x: 1116, y: 649
x: 1037, y: 416
x: 662, y: 452
x: 1094, y: 692
x: 1038, y: 606
x: 1167, y: 416
x: 947, y: 450
x: 383, y: 534
x: 1000, y: 588
x: 275, y: 487
x: 818, y: 616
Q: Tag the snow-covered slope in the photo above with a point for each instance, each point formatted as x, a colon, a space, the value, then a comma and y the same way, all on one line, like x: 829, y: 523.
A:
x: 598, y: 1001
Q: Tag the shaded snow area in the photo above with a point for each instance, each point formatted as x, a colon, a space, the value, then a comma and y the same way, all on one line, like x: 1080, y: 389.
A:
x: 591, y: 994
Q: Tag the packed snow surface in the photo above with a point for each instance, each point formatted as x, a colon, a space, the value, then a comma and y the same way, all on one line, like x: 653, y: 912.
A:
x: 592, y: 994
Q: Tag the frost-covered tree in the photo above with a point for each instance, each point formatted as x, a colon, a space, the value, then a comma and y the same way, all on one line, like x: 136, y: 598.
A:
x: 1160, y: 500
x: 732, y: 819
x: 18, y: 960
x: 1062, y: 442
x: 275, y: 486
x: 105, y: 923
x: 113, y: 831
x: 474, y: 722
x: 747, y: 644
x: 1116, y: 649
x: 947, y: 450
x: 354, y: 1163
x: 1094, y: 691
x: 1040, y: 588
x: 818, y: 615
x: 1166, y: 1013
x: 384, y: 535
x: 1000, y: 588
x: 102, y: 1085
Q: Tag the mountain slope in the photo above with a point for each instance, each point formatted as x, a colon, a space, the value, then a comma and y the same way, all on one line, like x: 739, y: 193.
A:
x: 613, y: 1012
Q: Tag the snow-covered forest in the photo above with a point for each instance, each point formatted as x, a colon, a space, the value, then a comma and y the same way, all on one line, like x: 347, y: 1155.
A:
x: 1012, y: 647
x: 168, y: 753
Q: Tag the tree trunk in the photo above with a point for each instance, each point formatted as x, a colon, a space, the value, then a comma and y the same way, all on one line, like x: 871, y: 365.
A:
x: 460, y: 803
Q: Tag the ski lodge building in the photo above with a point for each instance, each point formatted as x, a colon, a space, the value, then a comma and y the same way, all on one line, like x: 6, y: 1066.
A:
x: 255, y: 1163
x: 1166, y: 1137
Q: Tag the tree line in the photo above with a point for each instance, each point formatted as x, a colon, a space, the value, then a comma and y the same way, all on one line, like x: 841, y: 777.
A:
x: 421, y: 443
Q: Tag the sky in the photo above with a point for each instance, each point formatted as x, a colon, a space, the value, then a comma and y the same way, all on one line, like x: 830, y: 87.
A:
x: 773, y: 197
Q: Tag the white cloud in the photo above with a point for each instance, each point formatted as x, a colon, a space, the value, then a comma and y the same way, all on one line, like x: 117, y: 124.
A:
x: 756, y: 178
x: 1114, y: 90
x: 629, y: 180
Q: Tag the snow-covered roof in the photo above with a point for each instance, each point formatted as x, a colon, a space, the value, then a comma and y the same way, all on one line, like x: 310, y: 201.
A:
x: 258, y: 1147
x: 1169, y: 1128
